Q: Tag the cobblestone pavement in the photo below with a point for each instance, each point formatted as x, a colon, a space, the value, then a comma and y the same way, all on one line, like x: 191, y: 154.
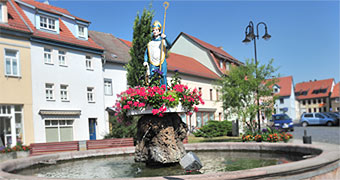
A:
x: 318, y: 133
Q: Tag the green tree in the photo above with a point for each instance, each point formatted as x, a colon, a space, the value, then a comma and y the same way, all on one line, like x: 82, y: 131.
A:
x: 239, y: 89
x: 141, y: 37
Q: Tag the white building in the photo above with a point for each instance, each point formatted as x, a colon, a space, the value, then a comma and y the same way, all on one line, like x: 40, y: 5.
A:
x: 116, y: 55
x: 67, y: 86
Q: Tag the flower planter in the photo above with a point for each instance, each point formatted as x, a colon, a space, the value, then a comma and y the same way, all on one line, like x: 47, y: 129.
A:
x: 148, y: 110
x: 22, y: 154
x: 7, y: 156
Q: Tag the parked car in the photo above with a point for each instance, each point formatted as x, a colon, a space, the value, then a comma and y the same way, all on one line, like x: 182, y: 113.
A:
x: 333, y: 115
x: 282, y: 121
x: 317, y: 119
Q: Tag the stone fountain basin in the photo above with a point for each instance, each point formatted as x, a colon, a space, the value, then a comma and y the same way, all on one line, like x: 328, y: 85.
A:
x: 324, y: 163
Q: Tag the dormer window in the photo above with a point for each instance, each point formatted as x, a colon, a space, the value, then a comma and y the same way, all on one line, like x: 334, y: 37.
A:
x: 47, y: 23
x: 221, y: 63
x: 81, y: 31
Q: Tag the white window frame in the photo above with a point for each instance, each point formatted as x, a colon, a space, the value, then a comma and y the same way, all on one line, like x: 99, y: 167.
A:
x: 48, y: 55
x: 108, y: 87
x: 90, y: 94
x: 62, y: 58
x: 81, y: 31
x: 227, y: 66
x: 88, y: 62
x: 11, y: 61
x: 59, y: 126
x: 64, y: 93
x: 49, y: 22
x: 49, y: 92
x: 221, y: 63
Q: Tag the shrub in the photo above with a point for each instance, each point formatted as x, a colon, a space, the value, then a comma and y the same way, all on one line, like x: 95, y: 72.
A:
x: 214, y: 129
x: 122, y: 130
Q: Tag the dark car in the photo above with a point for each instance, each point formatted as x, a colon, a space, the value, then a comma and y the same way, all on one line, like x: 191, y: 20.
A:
x: 282, y: 121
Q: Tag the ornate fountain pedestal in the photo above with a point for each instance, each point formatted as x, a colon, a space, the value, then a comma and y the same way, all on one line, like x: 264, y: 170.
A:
x: 159, y: 139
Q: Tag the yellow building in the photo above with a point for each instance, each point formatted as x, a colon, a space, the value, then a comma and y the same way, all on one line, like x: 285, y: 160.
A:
x: 16, y: 122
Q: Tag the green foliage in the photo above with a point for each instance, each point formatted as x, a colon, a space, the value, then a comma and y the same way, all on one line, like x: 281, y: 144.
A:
x: 18, y: 147
x: 122, y: 130
x: 141, y: 36
x: 246, y: 84
x: 215, y: 129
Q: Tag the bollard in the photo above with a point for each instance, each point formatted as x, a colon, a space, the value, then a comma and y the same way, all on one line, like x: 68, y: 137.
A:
x: 307, y: 139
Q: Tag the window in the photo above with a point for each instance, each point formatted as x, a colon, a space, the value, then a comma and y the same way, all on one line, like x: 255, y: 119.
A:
x: 228, y: 66
x: 48, y: 56
x: 320, y: 109
x: 221, y: 63
x: 304, y: 102
x: 59, y: 130
x: 198, y: 119
x: 281, y: 100
x: 338, y: 109
x: 1, y: 13
x: 49, y: 89
x: 324, y: 100
x: 88, y: 62
x: 337, y: 99
x: 200, y: 89
x: 309, y: 110
x: 314, y: 109
x: 47, y: 23
x: 11, y: 63
x: 319, y: 116
x: 62, y: 58
x: 211, y: 98
x: 276, y: 90
x: 324, y: 109
x: 309, y: 101
x: 81, y: 31
x: 314, y: 101
x: 308, y: 115
x: 108, y: 87
x: 216, y: 95
x: 64, y: 92
x: 90, y: 94
x: 319, y: 101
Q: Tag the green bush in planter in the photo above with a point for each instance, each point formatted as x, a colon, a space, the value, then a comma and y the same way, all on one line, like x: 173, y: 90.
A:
x: 215, y: 129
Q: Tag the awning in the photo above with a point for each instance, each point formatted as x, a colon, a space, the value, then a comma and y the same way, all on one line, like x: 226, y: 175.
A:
x: 207, y: 109
x: 60, y: 112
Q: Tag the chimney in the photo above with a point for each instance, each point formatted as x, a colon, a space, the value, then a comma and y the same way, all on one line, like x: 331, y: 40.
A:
x: 220, y: 47
x: 4, y: 15
x: 46, y: 2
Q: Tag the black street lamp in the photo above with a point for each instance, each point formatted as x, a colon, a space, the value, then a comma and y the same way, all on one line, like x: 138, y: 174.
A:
x: 251, y: 36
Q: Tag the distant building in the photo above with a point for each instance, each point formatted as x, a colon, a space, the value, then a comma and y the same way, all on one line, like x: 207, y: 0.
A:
x: 335, y: 98
x: 314, y: 96
x: 285, y: 103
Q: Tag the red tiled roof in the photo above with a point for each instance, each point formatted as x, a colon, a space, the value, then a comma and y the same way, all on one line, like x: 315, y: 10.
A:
x: 336, y: 91
x: 65, y: 34
x: 285, y: 84
x: 14, y: 20
x: 211, y: 47
x: 128, y: 43
x: 189, y: 65
x: 185, y: 65
x: 51, y: 9
x: 314, y: 85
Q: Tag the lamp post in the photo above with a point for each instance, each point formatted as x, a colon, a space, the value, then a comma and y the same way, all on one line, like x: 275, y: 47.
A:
x: 252, y: 36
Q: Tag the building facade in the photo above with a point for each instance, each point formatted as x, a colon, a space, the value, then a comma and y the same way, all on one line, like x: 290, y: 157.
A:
x: 16, y: 119
x: 314, y: 96
x: 68, y: 103
x: 335, y: 98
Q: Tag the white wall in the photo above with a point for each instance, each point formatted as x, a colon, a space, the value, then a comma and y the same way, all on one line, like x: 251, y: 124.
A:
x: 117, y: 74
x: 187, y: 47
x: 78, y: 79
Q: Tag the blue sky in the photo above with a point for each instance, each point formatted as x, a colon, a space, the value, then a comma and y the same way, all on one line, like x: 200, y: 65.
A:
x: 305, y: 34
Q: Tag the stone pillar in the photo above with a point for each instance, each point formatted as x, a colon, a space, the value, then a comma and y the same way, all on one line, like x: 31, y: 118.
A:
x: 159, y: 139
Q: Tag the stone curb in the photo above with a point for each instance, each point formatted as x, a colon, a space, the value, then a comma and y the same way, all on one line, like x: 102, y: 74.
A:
x: 327, y: 158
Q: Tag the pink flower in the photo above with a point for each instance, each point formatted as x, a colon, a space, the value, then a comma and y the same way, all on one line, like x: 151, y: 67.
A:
x: 126, y: 107
x: 135, y: 103
x: 129, y: 102
x: 155, y: 111
x: 196, y: 109
x: 141, y: 105
x: 160, y: 115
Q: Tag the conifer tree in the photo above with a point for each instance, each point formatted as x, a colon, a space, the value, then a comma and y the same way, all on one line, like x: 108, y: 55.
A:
x: 141, y: 36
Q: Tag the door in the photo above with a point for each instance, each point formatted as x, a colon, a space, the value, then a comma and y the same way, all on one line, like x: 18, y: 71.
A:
x: 5, y: 131
x: 92, y: 128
